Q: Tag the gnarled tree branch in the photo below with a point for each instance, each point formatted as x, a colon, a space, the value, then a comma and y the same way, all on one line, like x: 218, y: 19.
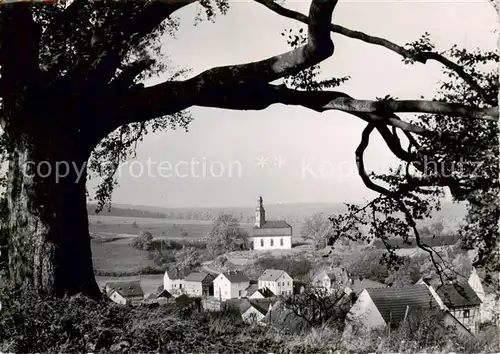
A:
x: 396, y: 196
x: 422, y: 57
x: 170, y: 97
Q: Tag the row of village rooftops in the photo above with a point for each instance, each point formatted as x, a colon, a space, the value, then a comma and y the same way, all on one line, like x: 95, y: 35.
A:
x: 464, y: 304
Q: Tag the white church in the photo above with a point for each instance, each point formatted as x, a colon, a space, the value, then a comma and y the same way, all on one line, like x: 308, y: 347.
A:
x: 270, y: 234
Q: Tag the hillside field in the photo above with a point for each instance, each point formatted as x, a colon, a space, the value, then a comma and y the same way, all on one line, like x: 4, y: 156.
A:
x: 111, y: 250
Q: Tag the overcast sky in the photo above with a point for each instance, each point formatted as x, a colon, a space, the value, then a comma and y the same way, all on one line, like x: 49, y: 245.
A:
x: 310, y: 156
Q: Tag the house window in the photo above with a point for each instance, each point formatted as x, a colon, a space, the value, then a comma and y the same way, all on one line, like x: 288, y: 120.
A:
x: 261, y: 242
x: 180, y: 286
x: 281, y: 242
x: 272, y: 242
x: 466, y: 313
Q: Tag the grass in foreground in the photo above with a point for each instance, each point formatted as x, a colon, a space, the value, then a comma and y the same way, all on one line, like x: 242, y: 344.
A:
x: 30, y: 324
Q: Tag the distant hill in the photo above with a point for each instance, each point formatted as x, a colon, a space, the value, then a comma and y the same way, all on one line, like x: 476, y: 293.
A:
x: 125, y: 211
x: 292, y: 212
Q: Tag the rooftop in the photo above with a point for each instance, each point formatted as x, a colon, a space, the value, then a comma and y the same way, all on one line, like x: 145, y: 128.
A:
x: 126, y: 289
x: 392, y: 302
x: 271, y: 275
x: 174, y: 274
x: 266, y: 292
x: 358, y: 285
x: 197, y: 276
x: 236, y: 276
x: 458, y: 294
x: 275, y: 224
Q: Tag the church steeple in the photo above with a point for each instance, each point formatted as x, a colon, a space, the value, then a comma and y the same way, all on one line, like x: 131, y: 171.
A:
x: 260, y: 213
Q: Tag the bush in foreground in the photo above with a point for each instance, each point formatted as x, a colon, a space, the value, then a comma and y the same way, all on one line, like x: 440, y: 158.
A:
x: 30, y: 324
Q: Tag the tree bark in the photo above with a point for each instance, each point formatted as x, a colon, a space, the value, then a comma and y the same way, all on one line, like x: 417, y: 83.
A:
x: 49, y: 241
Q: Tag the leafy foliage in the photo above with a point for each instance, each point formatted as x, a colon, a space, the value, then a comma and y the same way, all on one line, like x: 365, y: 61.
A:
x: 226, y: 235
x: 144, y: 241
x: 459, y: 154
x: 308, y: 79
x: 315, y: 307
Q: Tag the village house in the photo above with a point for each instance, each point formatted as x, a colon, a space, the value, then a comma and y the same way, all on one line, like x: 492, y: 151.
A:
x: 332, y: 280
x: 164, y: 294
x: 199, y: 284
x: 253, y: 292
x: 252, y: 311
x: 489, y: 308
x: 230, y: 285
x: 278, y: 281
x: 173, y: 281
x: 270, y: 234
x: 356, y: 285
x: 459, y: 299
x: 125, y: 293
x: 390, y: 306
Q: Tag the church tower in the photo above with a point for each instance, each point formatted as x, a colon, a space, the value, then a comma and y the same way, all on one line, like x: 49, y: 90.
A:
x: 260, y: 214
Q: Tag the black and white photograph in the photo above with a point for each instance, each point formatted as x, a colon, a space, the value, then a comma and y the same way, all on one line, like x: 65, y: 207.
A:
x: 249, y: 176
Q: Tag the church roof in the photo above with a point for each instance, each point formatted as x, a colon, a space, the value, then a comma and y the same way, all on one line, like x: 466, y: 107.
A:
x: 275, y: 224
x: 273, y: 228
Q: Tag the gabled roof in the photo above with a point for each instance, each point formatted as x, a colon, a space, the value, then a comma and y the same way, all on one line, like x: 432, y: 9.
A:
x: 358, y: 285
x: 262, y: 305
x: 269, y: 228
x: 271, y: 275
x: 393, y: 302
x: 488, y: 286
x: 251, y: 289
x: 236, y: 276
x: 266, y: 292
x: 275, y: 224
x: 197, y: 276
x: 126, y: 289
x: 458, y: 294
x: 165, y: 293
x: 174, y: 274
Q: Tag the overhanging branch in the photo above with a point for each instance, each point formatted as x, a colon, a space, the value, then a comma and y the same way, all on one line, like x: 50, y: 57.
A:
x: 170, y: 97
x: 422, y: 57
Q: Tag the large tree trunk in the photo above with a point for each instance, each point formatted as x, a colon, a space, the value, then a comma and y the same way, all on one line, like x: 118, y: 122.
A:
x: 49, y: 241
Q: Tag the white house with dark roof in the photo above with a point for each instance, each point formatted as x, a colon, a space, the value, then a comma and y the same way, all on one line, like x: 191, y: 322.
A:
x: 173, y: 282
x: 490, y: 308
x: 253, y: 292
x: 231, y: 285
x: 270, y: 234
x: 276, y: 280
x: 332, y: 280
x: 459, y: 298
x: 198, y: 284
x: 125, y: 293
x: 252, y: 311
x: 390, y: 306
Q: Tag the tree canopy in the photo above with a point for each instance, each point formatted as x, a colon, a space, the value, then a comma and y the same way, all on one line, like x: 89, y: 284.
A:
x: 71, y: 91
